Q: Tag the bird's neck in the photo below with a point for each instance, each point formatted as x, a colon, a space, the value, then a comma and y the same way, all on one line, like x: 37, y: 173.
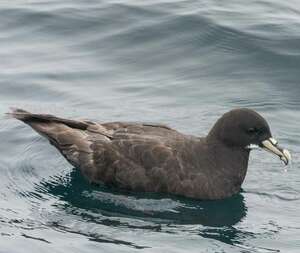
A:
x: 230, y: 167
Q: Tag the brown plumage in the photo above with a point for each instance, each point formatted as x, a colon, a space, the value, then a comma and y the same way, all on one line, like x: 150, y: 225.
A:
x: 156, y: 158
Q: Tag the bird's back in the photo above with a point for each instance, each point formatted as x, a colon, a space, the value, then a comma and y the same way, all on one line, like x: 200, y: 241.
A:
x: 142, y: 157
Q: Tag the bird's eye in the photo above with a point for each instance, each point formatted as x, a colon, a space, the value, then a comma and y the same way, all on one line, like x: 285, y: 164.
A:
x: 252, y: 130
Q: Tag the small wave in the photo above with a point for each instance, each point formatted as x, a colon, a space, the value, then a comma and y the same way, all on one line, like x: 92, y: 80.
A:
x: 291, y: 195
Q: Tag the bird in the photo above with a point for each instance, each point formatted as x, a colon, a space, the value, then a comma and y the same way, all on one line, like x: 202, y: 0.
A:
x: 144, y: 157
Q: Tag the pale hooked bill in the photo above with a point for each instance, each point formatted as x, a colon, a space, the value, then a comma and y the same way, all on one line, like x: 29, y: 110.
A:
x: 271, y: 146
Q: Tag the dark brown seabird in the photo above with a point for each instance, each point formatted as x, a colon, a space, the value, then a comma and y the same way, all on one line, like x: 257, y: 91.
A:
x: 156, y: 158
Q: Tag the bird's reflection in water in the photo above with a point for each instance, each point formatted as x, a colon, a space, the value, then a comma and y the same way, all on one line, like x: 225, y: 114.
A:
x: 101, y: 204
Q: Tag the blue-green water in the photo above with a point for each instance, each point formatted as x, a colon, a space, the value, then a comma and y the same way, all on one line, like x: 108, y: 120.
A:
x: 182, y: 63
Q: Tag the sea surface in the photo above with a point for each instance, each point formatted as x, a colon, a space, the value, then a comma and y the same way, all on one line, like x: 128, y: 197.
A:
x: 182, y: 63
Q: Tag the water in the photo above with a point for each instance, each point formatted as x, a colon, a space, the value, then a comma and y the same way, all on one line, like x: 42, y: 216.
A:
x: 182, y: 63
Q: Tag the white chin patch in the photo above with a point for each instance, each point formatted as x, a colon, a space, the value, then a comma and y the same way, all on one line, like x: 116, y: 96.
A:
x: 252, y: 146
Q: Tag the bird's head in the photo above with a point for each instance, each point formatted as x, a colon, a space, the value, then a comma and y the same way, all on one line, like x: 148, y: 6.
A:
x: 246, y: 129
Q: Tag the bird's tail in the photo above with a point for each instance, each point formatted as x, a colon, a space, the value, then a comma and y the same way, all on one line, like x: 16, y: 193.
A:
x: 31, y: 118
x: 66, y: 135
x: 17, y: 113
